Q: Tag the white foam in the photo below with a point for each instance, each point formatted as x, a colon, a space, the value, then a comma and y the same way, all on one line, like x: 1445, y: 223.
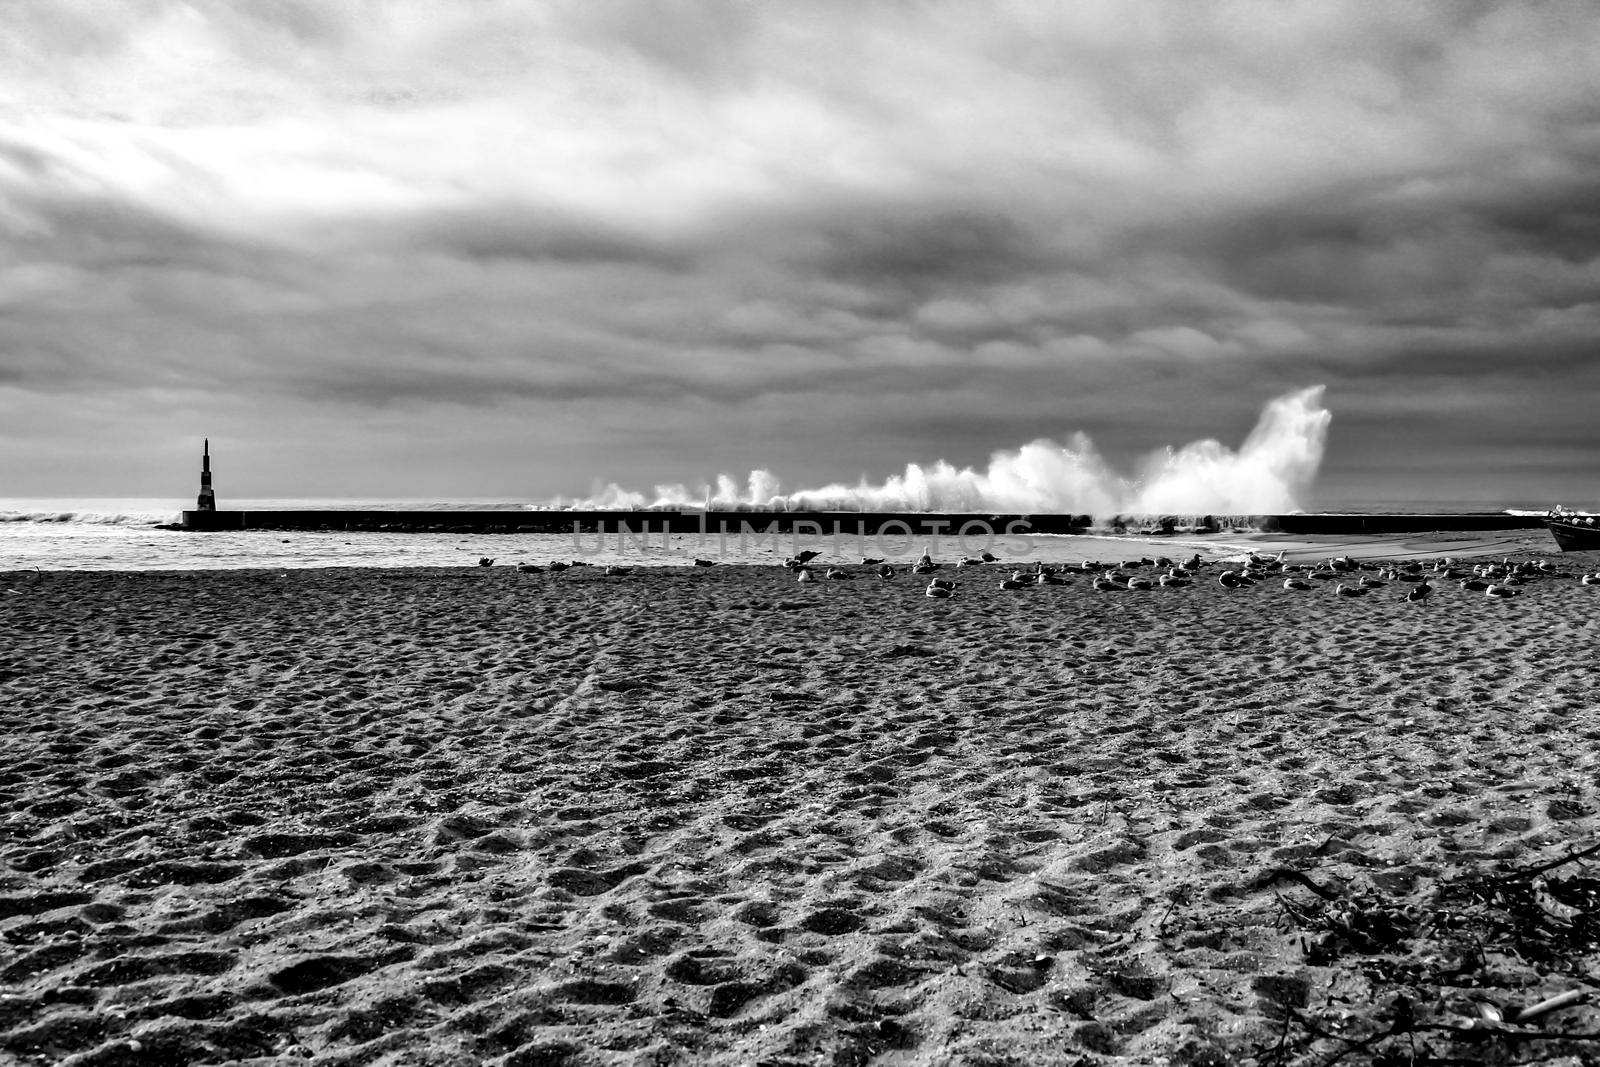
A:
x: 1266, y: 475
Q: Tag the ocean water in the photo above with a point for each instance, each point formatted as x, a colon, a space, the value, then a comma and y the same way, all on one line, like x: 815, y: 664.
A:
x: 121, y: 535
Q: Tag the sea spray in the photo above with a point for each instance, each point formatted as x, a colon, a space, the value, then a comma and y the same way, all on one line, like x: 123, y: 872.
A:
x: 1266, y: 475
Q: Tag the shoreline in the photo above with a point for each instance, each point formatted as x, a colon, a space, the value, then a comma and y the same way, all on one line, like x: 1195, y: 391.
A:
x: 717, y: 816
x: 335, y: 551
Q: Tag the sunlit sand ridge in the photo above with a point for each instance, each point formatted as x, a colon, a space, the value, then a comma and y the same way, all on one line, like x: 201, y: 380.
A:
x: 713, y: 815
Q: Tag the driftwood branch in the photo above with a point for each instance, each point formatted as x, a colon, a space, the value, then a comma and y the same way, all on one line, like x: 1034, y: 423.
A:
x: 1278, y: 874
x: 1532, y: 872
x: 1549, y: 1004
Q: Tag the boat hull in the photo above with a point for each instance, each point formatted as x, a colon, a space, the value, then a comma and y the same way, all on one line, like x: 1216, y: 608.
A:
x: 1575, y: 533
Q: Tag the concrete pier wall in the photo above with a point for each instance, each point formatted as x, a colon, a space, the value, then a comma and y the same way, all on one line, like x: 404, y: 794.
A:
x: 819, y: 522
x: 655, y: 521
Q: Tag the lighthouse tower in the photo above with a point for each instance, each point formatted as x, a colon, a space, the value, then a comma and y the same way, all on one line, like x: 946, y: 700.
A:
x: 208, y: 499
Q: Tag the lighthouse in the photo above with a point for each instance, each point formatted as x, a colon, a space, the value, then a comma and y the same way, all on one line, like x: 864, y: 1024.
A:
x: 208, y: 499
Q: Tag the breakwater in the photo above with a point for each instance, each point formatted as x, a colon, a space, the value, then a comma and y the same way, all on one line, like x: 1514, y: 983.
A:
x: 832, y: 522
x: 653, y: 521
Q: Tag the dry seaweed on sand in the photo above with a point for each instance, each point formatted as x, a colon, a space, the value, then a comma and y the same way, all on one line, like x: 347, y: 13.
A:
x: 1481, y: 967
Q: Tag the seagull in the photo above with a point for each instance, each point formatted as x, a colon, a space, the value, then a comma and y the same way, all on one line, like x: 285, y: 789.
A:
x: 557, y: 565
x: 530, y: 568
x: 803, y: 574
x: 869, y: 562
x: 1296, y: 583
x: 1591, y: 579
x: 1139, y: 583
x: 617, y: 572
x: 1231, y: 579
x: 485, y: 561
x: 941, y: 583
x: 705, y: 562
x: 1419, y: 593
x: 1106, y: 585
x: 1046, y: 578
x: 939, y: 592
x: 989, y: 557
x: 834, y: 574
x: 1349, y: 590
x: 886, y: 572
x: 1170, y: 580
x: 807, y: 556
x: 1502, y: 592
x: 1012, y: 583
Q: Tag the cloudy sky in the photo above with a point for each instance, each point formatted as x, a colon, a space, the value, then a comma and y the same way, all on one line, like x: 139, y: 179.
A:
x: 513, y: 250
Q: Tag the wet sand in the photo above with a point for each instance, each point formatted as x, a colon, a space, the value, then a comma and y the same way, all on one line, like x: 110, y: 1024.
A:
x: 715, y: 816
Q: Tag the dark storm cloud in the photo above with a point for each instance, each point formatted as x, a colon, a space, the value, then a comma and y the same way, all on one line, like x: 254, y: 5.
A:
x: 919, y: 250
x: 514, y: 232
x: 1522, y: 247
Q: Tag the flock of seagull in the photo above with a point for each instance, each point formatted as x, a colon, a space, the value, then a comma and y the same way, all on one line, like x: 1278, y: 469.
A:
x: 556, y: 566
x: 1346, y: 576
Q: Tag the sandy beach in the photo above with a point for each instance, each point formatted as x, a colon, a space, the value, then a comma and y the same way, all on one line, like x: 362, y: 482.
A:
x: 463, y: 816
